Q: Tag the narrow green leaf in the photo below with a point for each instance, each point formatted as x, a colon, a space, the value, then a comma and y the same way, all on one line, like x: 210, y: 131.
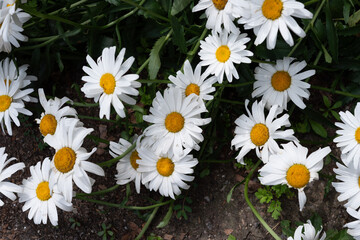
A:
x: 354, y: 19
x: 318, y: 128
x: 155, y: 63
x: 228, y: 197
x: 114, y: 2
x: 167, y: 218
x: 179, y: 36
x: 231, y: 237
x: 179, y: 5
x: 346, y: 11
x: 326, y: 101
x: 331, y: 33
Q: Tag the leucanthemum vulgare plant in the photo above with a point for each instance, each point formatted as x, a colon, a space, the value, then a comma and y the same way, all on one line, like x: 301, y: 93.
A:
x: 159, y: 92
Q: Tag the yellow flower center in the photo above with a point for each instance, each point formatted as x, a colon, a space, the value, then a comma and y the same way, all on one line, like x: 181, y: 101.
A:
x: 5, y: 102
x: 174, y: 122
x: 48, y: 125
x: 43, y: 191
x: 298, y: 176
x: 281, y: 81
x: 134, y: 156
x: 357, y: 132
x: 192, y: 88
x: 165, y: 167
x: 64, y: 159
x: 220, y: 4
x: 259, y: 134
x: 108, y: 83
x: 272, y: 9
x: 223, y: 53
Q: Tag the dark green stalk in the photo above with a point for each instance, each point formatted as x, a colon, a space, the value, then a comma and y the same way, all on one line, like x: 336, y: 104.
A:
x: 148, y: 222
x: 114, y: 160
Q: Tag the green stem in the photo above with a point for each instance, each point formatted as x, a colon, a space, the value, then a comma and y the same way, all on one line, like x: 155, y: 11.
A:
x: 335, y: 91
x: 308, y: 27
x: 114, y: 160
x: 231, y: 101
x: 148, y: 222
x: 311, y: 2
x: 218, y: 161
x: 234, y: 85
x: 154, y: 14
x: 79, y: 104
x: 193, y: 51
x: 256, y: 213
x: 96, y: 119
x: 101, y: 192
x: 153, y: 81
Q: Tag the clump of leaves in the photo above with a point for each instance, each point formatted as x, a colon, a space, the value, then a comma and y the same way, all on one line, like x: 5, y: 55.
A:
x: 271, y: 195
x: 74, y: 223
x: 182, y: 208
x: 106, y: 232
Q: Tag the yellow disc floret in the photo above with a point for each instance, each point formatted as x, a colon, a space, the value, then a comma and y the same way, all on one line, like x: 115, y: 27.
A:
x: 357, y: 135
x: 64, y: 159
x: 48, y: 125
x: 223, y: 53
x: 133, y: 157
x: 192, y: 88
x: 359, y: 181
x: 272, y: 9
x: 220, y: 4
x: 281, y: 81
x: 108, y: 83
x: 298, y: 176
x: 259, y: 134
x: 43, y: 191
x: 174, y: 122
x: 5, y: 80
x: 5, y: 102
x: 165, y: 167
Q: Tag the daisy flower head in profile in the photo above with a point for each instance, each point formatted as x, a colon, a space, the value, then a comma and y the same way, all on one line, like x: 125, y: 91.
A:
x: 166, y: 173
x: 258, y: 132
x: 42, y: 196
x: 6, y: 170
x: 220, y: 51
x: 11, y: 103
x: 107, y: 82
x: 220, y: 14
x: 53, y: 113
x: 309, y: 233
x: 11, y: 21
x: 127, y: 167
x: 349, y: 187
x: 282, y: 82
x: 349, y: 136
x: 191, y: 81
x: 70, y: 160
x: 354, y: 226
x: 175, y: 122
x: 293, y: 167
x: 268, y: 17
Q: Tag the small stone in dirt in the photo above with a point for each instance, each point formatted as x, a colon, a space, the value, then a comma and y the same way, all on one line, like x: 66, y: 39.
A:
x: 228, y: 231
x: 239, y: 178
x: 207, y: 199
x: 168, y: 237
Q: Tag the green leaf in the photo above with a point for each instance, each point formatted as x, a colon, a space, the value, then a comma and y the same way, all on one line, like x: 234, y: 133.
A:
x: 228, y: 197
x: 114, y: 2
x: 205, y: 172
x: 155, y: 63
x: 167, y: 218
x: 335, y: 114
x: 354, y: 19
x: 264, y: 195
x: 337, y: 105
x: 316, y: 221
x: 331, y: 33
x: 231, y: 237
x: 187, y: 208
x: 326, y: 101
x: 179, y: 5
x: 275, y: 209
x: 318, y: 128
x: 179, y: 36
x: 286, y: 229
x: 346, y: 11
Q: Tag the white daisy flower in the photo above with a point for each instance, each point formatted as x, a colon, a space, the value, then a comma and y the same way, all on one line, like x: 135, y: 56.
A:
x: 11, y: 21
x: 349, y: 187
x: 6, y: 170
x: 9, y: 71
x: 349, y: 136
x: 194, y: 82
x: 166, y: 172
x: 176, y: 122
x: 53, y: 113
x: 280, y: 83
x: 270, y: 16
x: 292, y: 167
x: 220, y: 52
x: 69, y: 162
x: 219, y: 13
x: 11, y: 103
x: 41, y: 195
x: 354, y: 226
x: 127, y: 168
x: 107, y: 81
x: 257, y: 132
x: 308, y: 234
